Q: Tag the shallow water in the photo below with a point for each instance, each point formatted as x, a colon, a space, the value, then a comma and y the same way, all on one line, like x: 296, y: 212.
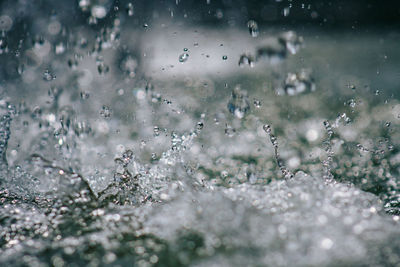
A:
x: 147, y: 145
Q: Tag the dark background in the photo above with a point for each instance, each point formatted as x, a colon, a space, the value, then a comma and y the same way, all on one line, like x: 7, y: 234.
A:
x: 309, y: 12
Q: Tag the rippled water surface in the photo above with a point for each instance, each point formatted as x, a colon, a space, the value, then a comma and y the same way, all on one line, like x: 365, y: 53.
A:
x: 147, y: 141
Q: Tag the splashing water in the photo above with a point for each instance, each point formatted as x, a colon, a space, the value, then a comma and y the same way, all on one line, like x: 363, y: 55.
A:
x: 115, y: 153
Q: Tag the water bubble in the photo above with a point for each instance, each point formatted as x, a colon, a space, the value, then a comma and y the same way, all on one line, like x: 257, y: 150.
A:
x: 224, y: 57
x: 253, y: 28
x: 183, y: 57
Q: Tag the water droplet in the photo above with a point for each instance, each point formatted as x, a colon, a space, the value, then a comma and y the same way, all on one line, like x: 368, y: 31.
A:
x: 3, y: 45
x: 229, y: 130
x: 59, y: 49
x: 239, y: 103
x: 85, y: 95
x: 98, y: 11
x: 183, y: 57
x: 48, y: 76
x: 286, y: 11
x: 257, y: 103
x: 102, y: 68
x: 156, y: 131
x: 352, y: 103
x: 84, y: 4
x: 247, y: 60
x: 129, y: 9
x: 253, y: 28
x: 351, y: 86
x: 105, y: 112
x: 267, y: 128
x: 300, y: 82
x: 291, y: 41
x: 200, y: 125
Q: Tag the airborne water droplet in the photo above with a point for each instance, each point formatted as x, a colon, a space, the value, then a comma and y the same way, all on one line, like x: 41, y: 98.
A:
x: 183, y: 57
x: 239, y: 103
x: 99, y: 11
x: 286, y: 11
x: 229, y: 131
x: 200, y: 125
x: 257, y: 103
x: 105, y: 112
x: 156, y: 131
x: 85, y: 95
x: 246, y: 60
x: 48, y: 76
x: 129, y: 9
x: 253, y: 28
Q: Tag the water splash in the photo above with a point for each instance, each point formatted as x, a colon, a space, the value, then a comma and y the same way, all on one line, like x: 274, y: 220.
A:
x: 274, y: 141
